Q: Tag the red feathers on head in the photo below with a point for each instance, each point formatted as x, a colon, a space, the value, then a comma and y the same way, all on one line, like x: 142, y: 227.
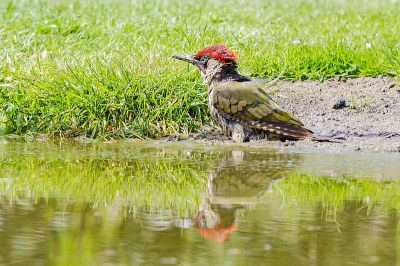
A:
x: 219, y: 52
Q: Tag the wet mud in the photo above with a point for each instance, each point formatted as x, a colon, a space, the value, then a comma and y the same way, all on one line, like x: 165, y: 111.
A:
x: 358, y: 114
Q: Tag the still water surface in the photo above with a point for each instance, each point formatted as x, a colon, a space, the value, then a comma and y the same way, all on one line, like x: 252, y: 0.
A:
x: 126, y: 203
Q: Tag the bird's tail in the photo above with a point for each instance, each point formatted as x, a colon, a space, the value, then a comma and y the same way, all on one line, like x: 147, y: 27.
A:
x: 288, y: 131
x: 285, y: 130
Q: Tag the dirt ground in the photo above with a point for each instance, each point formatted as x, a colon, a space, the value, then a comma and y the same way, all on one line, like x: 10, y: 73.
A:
x: 360, y: 114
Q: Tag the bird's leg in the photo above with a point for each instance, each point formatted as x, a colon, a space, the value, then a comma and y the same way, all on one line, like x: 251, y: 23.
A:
x: 238, y: 136
x: 237, y: 129
x: 226, y: 131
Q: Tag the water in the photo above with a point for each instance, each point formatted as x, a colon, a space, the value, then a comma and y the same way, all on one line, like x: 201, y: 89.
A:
x: 128, y: 203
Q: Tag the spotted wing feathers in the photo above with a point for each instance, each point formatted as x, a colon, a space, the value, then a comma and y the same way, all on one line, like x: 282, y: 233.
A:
x: 247, y: 103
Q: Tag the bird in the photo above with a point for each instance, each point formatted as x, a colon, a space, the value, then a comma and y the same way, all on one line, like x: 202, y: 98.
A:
x: 239, y: 105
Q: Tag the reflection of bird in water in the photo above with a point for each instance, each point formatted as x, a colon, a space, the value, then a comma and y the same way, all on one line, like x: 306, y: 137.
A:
x: 239, y: 180
x: 215, y: 222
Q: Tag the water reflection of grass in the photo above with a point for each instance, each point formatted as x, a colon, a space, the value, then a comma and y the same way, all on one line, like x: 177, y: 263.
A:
x: 332, y: 194
x: 74, y: 211
x: 164, y: 185
x: 159, y: 185
x: 69, y: 231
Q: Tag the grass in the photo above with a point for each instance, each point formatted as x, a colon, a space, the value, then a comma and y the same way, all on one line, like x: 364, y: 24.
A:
x: 103, y: 69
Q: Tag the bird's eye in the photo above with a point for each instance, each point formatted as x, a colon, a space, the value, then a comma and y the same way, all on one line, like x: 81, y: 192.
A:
x: 203, y: 60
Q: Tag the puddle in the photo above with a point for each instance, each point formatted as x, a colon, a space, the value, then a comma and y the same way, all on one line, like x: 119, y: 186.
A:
x: 183, y: 204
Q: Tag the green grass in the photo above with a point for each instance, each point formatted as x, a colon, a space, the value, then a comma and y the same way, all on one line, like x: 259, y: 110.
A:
x: 103, y: 69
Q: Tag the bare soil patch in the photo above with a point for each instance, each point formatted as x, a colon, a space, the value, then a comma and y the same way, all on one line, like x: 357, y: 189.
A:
x: 361, y: 114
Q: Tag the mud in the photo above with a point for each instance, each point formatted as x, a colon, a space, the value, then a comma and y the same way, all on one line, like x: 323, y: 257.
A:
x: 360, y: 114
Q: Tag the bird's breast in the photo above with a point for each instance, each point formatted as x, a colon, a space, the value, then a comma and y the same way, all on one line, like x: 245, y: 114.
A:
x: 211, y: 108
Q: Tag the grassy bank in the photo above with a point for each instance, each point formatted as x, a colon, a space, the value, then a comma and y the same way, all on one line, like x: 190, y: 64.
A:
x: 102, y: 69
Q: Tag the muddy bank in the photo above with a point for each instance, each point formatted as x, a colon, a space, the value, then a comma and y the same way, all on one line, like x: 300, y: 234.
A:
x: 361, y: 114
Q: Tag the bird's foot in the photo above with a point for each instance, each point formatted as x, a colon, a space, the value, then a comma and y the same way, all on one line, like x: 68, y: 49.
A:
x: 238, y: 136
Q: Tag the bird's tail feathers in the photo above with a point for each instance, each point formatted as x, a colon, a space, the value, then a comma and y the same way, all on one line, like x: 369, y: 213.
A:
x: 285, y: 130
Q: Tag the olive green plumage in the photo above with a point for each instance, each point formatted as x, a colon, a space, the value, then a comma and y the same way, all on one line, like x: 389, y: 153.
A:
x: 249, y: 104
x: 248, y: 101
x: 241, y: 107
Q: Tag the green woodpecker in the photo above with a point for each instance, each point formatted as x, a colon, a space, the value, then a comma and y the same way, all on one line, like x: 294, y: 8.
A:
x: 240, y: 106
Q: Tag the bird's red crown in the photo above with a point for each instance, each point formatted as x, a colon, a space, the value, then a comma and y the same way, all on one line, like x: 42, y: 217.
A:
x: 219, y: 52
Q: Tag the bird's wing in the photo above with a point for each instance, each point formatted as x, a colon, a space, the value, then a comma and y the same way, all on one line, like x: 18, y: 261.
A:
x: 249, y: 102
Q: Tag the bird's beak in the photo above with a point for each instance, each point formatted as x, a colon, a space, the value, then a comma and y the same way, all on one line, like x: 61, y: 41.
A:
x: 188, y: 58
